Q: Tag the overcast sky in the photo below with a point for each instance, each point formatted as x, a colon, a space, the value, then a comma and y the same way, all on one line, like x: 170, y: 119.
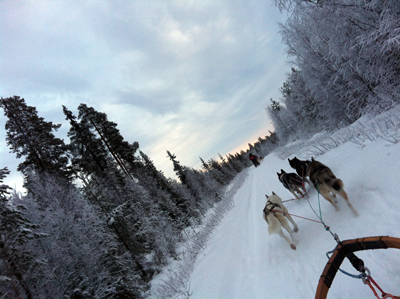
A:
x: 192, y: 77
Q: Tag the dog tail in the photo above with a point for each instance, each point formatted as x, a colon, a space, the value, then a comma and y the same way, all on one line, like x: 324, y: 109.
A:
x: 337, y: 184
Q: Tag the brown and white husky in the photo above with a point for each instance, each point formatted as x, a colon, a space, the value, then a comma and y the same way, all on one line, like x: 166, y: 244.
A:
x: 327, y: 184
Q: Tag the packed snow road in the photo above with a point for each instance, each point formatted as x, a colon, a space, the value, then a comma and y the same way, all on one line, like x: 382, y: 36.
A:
x: 242, y: 261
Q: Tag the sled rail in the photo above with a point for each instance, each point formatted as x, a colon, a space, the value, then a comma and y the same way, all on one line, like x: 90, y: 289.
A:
x: 342, y: 250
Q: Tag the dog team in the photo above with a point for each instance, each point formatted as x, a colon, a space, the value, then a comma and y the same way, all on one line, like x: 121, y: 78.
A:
x: 323, y: 180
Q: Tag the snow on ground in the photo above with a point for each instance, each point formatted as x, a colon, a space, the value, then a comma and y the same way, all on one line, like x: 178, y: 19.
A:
x: 242, y: 261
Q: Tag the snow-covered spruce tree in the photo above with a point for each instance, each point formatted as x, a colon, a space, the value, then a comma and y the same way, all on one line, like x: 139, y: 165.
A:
x: 211, y: 179
x: 30, y: 136
x: 216, y: 172
x: 178, y: 168
x: 46, y: 157
x: 270, y: 142
x: 82, y: 254
x: 227, y: 168
x: 346, y: 52
x: 235, y: 163
x: 169, y: 199
x: 321, y: 75
x: 123, y: 155
x: 16, y: 230
x: 282, y: 119
x: 203, y: 192
x: 88, y: 153
x: 192, y: 187
x: 207, y: 188
x: 124, y: 191
x: 380, y: 46
x: 105, y: 184
x: 122, y: 151
x: 303, y: 114
x: 300, y: 101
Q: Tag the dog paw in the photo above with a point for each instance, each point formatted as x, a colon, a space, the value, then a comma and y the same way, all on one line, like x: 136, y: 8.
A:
x: 296, y: 229
x: 353, y: 210
x: 293, y: 246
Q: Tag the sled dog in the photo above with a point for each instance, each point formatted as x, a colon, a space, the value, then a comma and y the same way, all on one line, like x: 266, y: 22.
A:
x: 293, y: 183
x: 276, y: 215
x: 301, y: 168
x: 327, y: 184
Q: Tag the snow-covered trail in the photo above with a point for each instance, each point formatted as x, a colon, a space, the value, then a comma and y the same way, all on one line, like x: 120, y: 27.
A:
x: 242, y: 261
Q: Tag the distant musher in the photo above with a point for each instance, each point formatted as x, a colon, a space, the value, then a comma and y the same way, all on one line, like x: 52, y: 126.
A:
x: 254, y: 159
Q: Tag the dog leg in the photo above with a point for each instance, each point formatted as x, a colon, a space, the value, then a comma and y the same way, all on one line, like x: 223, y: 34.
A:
x: 286, y: 226
x: 287, y: 240
x: 303, y: 187
x: 294, y: 194
x: 327, y: 196
x: 283, y: 218
x: 307, y: 181
x: 334, y: 197
x: 302, y: 191
x: 343, y: 194
x: 296, y: 228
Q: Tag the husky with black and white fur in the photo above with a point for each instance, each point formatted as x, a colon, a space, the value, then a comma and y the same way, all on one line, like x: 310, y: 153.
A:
x: 293, y: 183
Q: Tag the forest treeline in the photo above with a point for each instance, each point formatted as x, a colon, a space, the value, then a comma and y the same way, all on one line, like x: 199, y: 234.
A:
x: 346, y: 63
x: 98, y: 219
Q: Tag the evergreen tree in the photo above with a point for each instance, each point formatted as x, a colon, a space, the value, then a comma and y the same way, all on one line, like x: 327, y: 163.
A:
x: 31, y: 136
x: 16, y: 230
x: 122, y: 151
x: 205, y: 165
x: 179, y: 170
x: 346, y: 58
x: 216, y: 171
x: 235, y: 163
x: 175, y: 204
x: 105, y: 183
x: 83, y: 256
x: 88, y: 152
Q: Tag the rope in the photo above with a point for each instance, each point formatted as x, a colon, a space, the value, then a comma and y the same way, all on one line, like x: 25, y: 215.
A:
x: 319, y: 203
x: 304, y: 195
x: 327, y: 228
x: 290, y: 199
x: 296, y: 180
x: 374, y: 282
x: 368, y: 280
x: 372, y: 288
x: 297, y: 216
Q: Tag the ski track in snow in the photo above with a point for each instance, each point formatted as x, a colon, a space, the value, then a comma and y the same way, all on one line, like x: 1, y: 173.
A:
x: 242, y: 261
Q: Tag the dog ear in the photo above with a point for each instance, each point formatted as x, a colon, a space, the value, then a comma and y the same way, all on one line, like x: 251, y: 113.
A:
x: 273, y: 193
x: 282, y: 171
x: 266, y: 196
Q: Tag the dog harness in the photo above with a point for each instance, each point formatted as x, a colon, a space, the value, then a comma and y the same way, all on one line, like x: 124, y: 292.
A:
x: 269, y: 207
x: 291, y: 177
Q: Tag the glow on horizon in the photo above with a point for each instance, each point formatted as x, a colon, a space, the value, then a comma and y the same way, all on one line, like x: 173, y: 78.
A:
x: 253, y: 139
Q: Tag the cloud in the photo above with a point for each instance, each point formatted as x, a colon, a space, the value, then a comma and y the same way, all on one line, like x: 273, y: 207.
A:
x: 192, y: 77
